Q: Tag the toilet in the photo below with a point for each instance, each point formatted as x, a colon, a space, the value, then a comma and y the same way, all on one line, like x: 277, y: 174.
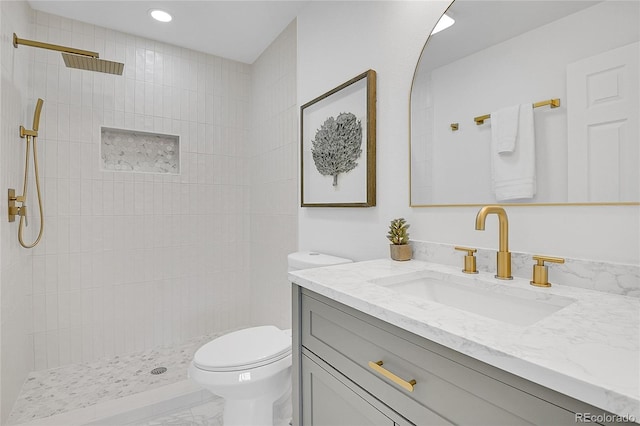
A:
x: 251, y: 368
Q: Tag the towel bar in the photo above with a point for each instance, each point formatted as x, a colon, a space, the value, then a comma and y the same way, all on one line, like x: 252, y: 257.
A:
x: 554, y: 103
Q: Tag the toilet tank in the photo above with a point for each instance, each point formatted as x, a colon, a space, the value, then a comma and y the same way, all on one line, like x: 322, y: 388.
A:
x: 311, y: 259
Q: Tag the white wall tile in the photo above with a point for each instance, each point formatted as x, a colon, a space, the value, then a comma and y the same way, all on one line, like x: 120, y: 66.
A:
x: 64, y: 271
x: 272, y: 166
x: 51, y: 277
x: 64, y: 346
x: 39, y: 274
x: 75, y: 268
x: 64, y: 310
x: 75, y: 344
x: 52, y: 348
x: 51, y: 301
x: 87, y: 343
x: 40, y: 350
x: 39, y: 313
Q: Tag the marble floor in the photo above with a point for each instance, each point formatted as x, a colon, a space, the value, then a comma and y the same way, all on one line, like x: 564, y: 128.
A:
x: 51, y: 393
x: 206, y: 414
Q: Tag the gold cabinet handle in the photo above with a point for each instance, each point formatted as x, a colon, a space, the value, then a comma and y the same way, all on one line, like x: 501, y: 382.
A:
x: 377, y: 367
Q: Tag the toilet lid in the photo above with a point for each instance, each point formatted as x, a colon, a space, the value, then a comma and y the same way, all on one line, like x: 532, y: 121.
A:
x: 247, y: 348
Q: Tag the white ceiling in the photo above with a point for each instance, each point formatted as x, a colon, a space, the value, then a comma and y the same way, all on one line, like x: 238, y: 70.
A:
x: 242, y: 29
x: 233, y: 29
x: 480, y: 24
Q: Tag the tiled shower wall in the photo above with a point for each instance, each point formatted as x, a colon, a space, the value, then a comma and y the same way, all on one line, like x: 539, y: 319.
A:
x: 273, y: 160
x: 129, y: 261
x: 136, y: 260
x: 16, y: 352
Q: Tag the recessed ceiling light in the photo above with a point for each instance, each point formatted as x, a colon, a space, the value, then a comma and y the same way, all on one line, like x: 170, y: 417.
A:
x: 445, y: 22
x: 160, y: 15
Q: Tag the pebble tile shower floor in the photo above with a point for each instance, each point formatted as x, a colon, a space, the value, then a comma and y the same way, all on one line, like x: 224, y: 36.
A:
x: 60, y: 390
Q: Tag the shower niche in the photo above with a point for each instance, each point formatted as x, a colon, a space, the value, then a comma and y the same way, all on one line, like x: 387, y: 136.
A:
x: 135, y: 151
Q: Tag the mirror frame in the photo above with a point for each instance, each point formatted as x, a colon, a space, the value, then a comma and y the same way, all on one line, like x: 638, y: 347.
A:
x: 411, y: 203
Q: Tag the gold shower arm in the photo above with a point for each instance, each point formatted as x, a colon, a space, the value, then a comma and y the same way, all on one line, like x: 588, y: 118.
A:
x: 554, y: 103
x: 17, y: 41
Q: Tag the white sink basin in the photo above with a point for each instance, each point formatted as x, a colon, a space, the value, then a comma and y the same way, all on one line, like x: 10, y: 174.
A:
x: 489, y: 299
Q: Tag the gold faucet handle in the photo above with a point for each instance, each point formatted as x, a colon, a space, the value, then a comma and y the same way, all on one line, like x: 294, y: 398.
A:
x: 469, y: 260
x: 541, y: 271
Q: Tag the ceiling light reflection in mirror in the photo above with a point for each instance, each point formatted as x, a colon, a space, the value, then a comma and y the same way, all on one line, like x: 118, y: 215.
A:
x: 445, y: 22
x: 160, y: 15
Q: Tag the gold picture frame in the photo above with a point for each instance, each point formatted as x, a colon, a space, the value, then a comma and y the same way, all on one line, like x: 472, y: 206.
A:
x: 338, y: 146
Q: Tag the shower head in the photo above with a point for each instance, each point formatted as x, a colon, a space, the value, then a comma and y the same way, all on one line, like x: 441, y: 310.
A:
x: 92, y: 64
x: 75, y: 58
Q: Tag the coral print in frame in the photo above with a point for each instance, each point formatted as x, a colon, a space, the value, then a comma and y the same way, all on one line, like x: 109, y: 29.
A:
x: 338, y: 146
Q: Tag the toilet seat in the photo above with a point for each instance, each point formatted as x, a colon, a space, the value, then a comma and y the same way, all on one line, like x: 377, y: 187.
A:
x: 244, y: 349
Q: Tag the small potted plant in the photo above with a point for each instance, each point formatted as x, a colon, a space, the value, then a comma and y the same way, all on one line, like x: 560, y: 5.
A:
x: 399, y: 237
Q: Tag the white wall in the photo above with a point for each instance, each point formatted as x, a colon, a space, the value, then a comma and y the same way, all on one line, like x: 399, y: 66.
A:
x: 337, y: 41
x: 272, y: 153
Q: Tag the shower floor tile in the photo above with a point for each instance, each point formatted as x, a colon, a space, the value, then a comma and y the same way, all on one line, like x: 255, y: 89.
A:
x: 60, y: 390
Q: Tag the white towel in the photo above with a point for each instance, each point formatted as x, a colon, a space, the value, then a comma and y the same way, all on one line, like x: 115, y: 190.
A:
x: 504, y: 124
x: 514, y: 173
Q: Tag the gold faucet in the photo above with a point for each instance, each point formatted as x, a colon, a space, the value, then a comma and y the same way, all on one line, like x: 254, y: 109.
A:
x: 503, y: 268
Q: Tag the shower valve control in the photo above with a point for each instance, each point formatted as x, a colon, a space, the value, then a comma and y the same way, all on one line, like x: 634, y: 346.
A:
x: 13, y: 209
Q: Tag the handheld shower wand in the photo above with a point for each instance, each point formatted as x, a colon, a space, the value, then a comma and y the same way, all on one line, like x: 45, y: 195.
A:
x: 21, y: 211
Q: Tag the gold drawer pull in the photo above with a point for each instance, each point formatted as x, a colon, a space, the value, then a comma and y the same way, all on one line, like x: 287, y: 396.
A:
x: 377, y: 366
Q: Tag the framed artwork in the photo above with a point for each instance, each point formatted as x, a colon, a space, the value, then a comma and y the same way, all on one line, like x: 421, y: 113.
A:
x: 338, y: 146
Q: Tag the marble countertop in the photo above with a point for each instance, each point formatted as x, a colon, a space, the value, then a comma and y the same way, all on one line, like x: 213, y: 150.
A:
x: 588, y: 350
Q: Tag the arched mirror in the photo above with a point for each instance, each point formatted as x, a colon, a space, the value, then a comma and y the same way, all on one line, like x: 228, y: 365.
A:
x: 528, y: 102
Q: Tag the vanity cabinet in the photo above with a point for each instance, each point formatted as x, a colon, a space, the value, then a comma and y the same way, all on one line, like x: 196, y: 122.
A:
x: 353, y: 369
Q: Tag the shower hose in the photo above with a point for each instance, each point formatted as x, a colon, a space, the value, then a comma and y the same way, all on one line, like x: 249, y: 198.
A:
x: 23, y: 217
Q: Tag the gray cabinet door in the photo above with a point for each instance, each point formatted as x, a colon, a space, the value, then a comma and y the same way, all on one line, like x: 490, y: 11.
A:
x: 332, y: 400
